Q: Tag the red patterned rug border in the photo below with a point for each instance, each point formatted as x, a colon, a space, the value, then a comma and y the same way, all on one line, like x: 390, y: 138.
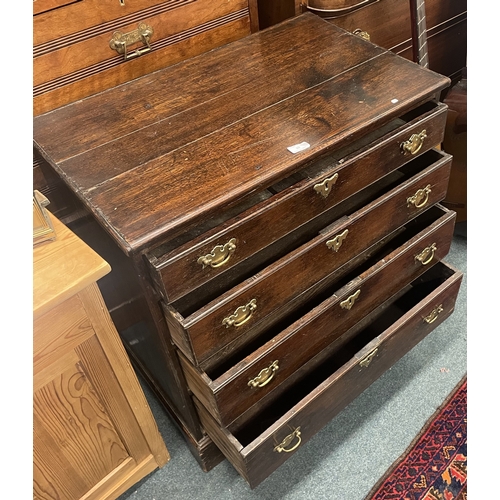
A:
x: 438, y: 419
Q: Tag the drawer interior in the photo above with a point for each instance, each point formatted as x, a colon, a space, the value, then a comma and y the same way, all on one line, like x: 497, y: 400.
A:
x: 396, y: 240
x: 194, y: 301
x: 344, y: 351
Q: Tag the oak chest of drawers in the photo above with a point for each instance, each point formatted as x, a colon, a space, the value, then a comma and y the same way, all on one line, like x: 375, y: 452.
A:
x: 274, y: 251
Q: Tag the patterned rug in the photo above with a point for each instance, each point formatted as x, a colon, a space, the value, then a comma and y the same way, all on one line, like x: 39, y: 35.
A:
x: 434, y: 467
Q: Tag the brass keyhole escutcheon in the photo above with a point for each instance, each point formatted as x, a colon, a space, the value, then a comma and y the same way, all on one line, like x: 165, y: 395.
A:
x: 426, y: 255
x: 324, y: 188
x: 241, y: 315
x: 219, y: 255
x: 336, y: 242
x: 265, y: 376
x: 368, y: 358
x: 349, y: 302
x: 420, y: 198
x: 433, y: 316
x: 414, y: 144
x: 283, y: 446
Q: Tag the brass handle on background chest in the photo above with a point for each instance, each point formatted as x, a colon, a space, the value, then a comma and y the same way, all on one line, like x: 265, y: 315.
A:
x: 420, y: 198
x: 368, y: 358
x: 121, y: 42
x: 336, y: 242
x: 414, y: 144
x: 362, y: 34
x: 325, y: 187
x: 283, y: 446
x: 241, y: 315
x: 433, y: 316
x: 349, y: 302
x: 265, y: 376
x: 426, y: 255
x: 219, y: 255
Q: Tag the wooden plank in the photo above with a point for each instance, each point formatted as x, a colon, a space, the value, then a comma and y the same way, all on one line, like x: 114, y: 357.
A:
x: 247, y: 155
x: 154, y: 100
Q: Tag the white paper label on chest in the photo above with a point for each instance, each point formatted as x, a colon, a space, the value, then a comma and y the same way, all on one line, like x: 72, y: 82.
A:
x: 298, y: 147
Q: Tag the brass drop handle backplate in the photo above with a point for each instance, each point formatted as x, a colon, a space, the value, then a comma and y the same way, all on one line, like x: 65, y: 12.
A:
x: 265, y: 376
x: 414, y: 144
x: 426, y: 255
x: 283, y: 446
x: 241, y: 315
x: 349, y: 302
x: 368, y: 358
x: 121, y: 42
x: 324, y: 188
x: 433, y: 316
x: 420, y: 198
x: 336, y: 242
x: 219, y: 255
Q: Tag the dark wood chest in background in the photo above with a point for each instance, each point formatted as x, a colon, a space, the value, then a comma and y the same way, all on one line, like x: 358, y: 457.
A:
x: 388, y: 24
x: 274, y: 248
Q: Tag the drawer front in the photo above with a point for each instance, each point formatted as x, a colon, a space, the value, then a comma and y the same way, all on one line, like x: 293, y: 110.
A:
x: 257, y: 454
x: 77, y: 60
x: 238, y: 311
x: 69, y: 17
x: 327, y: 182
x: 261, y: 372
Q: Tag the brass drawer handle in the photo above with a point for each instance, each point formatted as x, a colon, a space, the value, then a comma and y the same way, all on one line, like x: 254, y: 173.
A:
x: 426, y: 255
x: 361, y: 33
x: 288, y: 440
x: 265, y: 376
x: 434, y: 314
x: 324, y: 188
x: 219, y: 255
x: 420, y: 198
x: 122, y: 41
x: 336, y: 242
x: 368, y: 358
x: 349, y: 302
x: 241, y: 315
x: 414, y: 144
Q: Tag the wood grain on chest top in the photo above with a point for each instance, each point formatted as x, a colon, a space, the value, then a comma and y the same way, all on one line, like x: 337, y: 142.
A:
x: 155, y: 155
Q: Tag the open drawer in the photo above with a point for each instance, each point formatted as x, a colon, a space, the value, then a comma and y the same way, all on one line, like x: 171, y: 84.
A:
x: 246, y: 310
x: 256, y: 447
x: 258, y: 373
x: 220, y: 254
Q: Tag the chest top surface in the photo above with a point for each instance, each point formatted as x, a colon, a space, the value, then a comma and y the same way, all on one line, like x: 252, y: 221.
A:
x: 154, y: 155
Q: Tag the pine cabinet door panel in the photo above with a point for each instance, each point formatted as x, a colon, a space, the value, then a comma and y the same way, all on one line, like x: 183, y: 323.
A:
x: 73, y: 435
